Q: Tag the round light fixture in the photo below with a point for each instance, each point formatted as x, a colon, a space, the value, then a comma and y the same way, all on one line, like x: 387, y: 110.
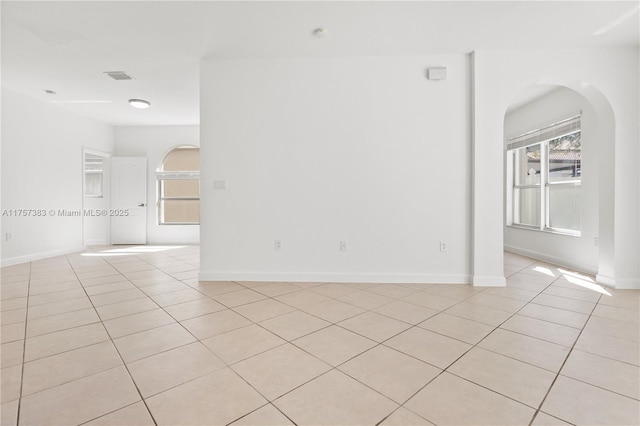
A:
x: 320, y: 32
x: 139, y: 103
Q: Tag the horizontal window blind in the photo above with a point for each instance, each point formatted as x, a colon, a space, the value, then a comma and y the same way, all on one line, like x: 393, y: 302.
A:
x: 178, y: 175
x: 553, y: 131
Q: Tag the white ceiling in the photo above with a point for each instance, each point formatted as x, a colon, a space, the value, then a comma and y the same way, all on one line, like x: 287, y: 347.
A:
x: 66, y: 46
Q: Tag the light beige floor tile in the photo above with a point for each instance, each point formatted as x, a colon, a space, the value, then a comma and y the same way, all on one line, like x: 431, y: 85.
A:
x: 214, y: 288
x: 175, y: 297
x: 594, y: 406
x: 540, y: 353
x: 394, y: 374
x: 306, y: 284
x: 628, y: 301
x: 108, y: 288
x: 555, y: 315
x: 13, y: 330
x: 174, y: 367
x: 574, y: 305
x: 276, y: 289
x: 264, y: 416
x: 238, y: 298
x: 295, y: 324
x: 279, y: 370
x: 374, y: 326
x: 512, y: 293
x: 57, y: 296
x: 452, y: 291
x: 335, y: 398
x: 90, y: 397
x: 543, y: 419
x: 407, y: 312
x: 14, y: 290
x: 334, y: 290
x: 334, y: 344
x: 123, y: 326
x: 10, y: 379
x: 9, y: 412
x: 194, y: 308
x: 116, y: 296
x: 459, y: 328
x: 496, y: 302
x: 613, y: 328
x: 404, y: 417
x: 606, y: 373
x: 216, y: 323
x: 608, y: 346
x: 479, y: 313
x: 150, y: 342
x: 61, y: 322
x: 243, y: 343
x: 62, y: 341
x: 215, y: 399
x: 430, y: 347
x: 168, y: 287
x: 263, y: 309
x: 585, y: 296
x: 303, y: 298
x: 544, y: 330
x: 366, y: 300
x: 56, y: 308
x: 333, y: 310
x: 450, y: 400
x: 17, y: 303
x: 134, y: 414
x: 431, y: 301
x: 109, y: 279
x: 11, y: 353
x: 507, y: 376
x: 117, y: 310
x: 393, y: 291
x: 55, y: 370
x: 13, y: 316
x: 619, y: 314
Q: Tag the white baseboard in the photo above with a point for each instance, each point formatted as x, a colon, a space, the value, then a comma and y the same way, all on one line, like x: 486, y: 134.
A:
x: 479, y: 281
x: 102, y: 242
x: 41, y: 255
x: 333, y: 277
x: 627, y: 284
x: 606, y: 280
x: 578, y: 267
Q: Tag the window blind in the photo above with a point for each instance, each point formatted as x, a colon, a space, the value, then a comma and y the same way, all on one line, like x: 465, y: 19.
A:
x: 553, y: 131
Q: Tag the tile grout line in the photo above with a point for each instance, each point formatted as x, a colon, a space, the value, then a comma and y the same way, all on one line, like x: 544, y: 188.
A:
x: 24, y: 345
x: 124, y: 364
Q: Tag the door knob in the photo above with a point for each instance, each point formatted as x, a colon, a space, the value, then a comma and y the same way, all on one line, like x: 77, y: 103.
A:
x: 141, y: 205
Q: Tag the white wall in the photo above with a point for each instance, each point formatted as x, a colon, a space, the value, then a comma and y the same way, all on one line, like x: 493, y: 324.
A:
x: 314, y: 151
x: 154, y: 142
x: 609, y: 79
x: 42, y: 169
x: 576, y: 252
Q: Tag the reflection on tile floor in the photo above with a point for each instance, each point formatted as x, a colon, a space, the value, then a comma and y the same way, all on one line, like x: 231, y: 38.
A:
x: 128, y: 336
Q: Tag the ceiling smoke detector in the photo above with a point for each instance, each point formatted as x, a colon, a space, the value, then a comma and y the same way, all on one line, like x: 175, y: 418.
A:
x: 139, y: 103
x: 320, y: 32
x: 118, y: 75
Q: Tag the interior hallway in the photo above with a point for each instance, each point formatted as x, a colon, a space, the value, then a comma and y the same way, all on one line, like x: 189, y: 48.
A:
x: 127, y: 335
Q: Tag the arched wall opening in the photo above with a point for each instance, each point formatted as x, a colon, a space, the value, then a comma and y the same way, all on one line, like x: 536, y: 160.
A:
x: 592, y: 250
x: 609, y: 81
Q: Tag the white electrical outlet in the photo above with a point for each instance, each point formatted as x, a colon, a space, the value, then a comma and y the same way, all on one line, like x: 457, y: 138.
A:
x: 343, y: 245
x: 277, y: 245
x: 220, y: 184
x: 443, y: 246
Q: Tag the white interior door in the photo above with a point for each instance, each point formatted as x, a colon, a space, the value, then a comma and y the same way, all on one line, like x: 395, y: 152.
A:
x: 128, y: 200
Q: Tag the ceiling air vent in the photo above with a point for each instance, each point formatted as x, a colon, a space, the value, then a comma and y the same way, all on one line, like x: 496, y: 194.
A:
x: 118, y: 75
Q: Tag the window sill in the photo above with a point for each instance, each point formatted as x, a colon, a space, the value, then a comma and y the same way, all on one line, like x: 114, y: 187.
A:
x: 564, y: 232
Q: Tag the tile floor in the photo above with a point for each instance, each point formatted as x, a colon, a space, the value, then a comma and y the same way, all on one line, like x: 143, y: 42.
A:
x: 128, y: 336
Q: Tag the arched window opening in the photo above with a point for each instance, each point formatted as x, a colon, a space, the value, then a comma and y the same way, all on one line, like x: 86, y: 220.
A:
x: 179, y: 187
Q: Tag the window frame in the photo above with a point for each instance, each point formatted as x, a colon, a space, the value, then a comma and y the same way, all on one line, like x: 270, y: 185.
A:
x: 162, y: 176
x: 542, y: 137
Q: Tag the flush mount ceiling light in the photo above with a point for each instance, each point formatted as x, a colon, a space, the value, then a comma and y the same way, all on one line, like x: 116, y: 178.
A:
x: 139, y: 103
x: 320, y: 32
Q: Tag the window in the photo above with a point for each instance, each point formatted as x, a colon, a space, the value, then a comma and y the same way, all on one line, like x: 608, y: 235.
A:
x: 179, y: 187
x: 93, y: 175
x: 544, y: 177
